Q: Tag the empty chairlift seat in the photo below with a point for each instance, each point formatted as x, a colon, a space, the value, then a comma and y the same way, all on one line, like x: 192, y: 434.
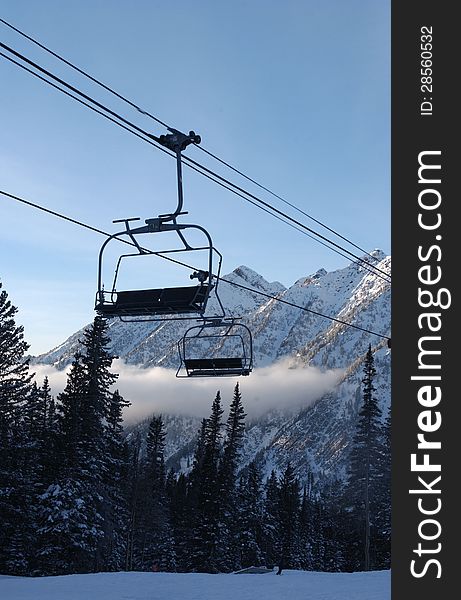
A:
x: 167, y: 301
x: 216, y: 348
x: 208, y: 367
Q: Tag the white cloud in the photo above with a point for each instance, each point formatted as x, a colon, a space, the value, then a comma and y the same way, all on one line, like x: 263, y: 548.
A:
x: 157, y: 390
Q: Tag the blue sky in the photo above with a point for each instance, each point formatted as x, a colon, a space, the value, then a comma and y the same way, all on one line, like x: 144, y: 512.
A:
x: 295, y: 93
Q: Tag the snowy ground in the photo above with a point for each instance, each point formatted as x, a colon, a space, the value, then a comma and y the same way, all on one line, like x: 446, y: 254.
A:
x: 292, y: 585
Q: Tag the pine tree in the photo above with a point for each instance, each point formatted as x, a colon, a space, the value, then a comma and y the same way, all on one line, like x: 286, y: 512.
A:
x: 365, y: 467
x: 271, y: 534
x: 15, y: 379
x: 182, y: 518
x: 133, y: 486
x: 155, y: 448
x: 319, y: 536
x: 116, y: 511
x: 206, y: 537
x: 15, y: 478
x: 289, y: 501
x: 332, y: 525
x: 228, y: 521
x: 40, y: 458
x: 96, y: 362
x: 155, y: 546
x: 197, y: 466
x: 248, y: 530
x: 383, y: 510
x: 188, y: 555
x: 65, y: 535
x: 71, y: 509
x: 40, y: 423
x: 306, y: 531
x: 235, y: 427
x: 70, y: 415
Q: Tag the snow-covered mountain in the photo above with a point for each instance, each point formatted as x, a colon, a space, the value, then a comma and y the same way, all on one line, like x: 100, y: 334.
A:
x: 155, y: 343
x: 352, y: 294
x: 316, y: 437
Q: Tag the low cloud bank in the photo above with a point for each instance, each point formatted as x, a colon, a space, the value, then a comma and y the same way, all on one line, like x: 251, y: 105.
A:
x: 158, y: 390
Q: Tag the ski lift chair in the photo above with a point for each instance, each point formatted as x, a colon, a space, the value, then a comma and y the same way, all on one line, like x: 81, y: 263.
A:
x: 154, y: 304
x: 229, y: 342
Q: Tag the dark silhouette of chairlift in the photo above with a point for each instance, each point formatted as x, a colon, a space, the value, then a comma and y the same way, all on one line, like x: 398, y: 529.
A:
x: 232, y: 364
x: 155, y: 303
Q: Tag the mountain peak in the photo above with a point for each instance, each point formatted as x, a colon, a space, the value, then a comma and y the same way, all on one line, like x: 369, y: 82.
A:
x: 306, y: 281
x: 246, y: 273
x: 378, y: 254
x: 319, y: 273
x: 256, y: 280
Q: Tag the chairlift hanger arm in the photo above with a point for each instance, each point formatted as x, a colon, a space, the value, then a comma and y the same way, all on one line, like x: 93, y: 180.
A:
x: 162, y: 301
x: 177, y: 142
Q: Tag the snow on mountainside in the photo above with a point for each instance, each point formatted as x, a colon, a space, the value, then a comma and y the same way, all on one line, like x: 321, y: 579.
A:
x: 279, y: 330
x: 155, y: 343
x: 314, y: 438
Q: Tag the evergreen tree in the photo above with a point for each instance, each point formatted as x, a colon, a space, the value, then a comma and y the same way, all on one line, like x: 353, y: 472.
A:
x: 204, y: 557
x: 288, y: 512
x: 271, y: 536
x: 383, y: 511
x: 72, y: 508
x: 96, y: 362
x: 40, y: 458
x: 319, y: 535
x: 154, y: 538
x: 306, y: 532
x: 365, y: 470
x: 15, y: 379
x: 15, y: 478
x: 116, y: 511
x: 70, y: 415
x: 235, y: 427
x: 227, y: 559
x: 248, y: 530
x: 197, y: 467
x: 189, y: 559
x: 333, y: 527
x: 182, y: 518
x: 133, y: 485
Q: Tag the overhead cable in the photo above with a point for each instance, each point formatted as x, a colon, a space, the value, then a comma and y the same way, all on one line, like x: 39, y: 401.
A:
x: 159, y: 254
x: 155, y: 118
x: 154, y: 140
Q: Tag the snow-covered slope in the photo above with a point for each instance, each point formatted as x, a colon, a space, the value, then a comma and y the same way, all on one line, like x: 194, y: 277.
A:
x: 297, y: 585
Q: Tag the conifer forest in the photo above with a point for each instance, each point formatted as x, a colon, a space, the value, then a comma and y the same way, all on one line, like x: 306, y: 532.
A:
x: 77, y: 495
